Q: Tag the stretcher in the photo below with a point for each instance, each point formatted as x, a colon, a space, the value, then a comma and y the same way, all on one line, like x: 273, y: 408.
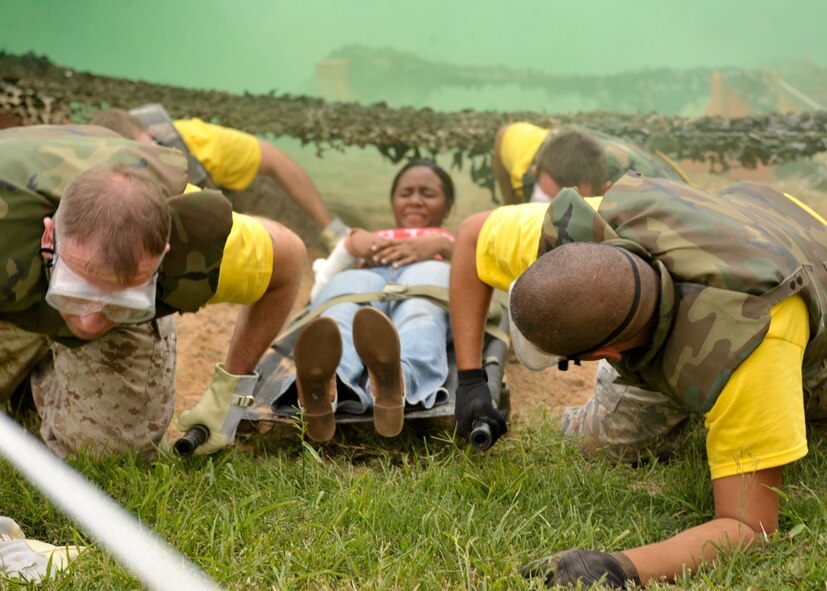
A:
x: 277, y: 365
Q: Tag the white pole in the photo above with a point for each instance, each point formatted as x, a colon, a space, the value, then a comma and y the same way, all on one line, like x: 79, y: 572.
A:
x: 157, y: 565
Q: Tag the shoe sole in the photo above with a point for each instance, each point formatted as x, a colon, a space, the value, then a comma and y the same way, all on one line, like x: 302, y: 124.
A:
x: 317, y: 354
x: 377, y: 343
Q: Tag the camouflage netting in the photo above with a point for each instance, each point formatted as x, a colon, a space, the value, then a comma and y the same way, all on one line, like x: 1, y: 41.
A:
x: 400, y: 78
x: 36, y: 91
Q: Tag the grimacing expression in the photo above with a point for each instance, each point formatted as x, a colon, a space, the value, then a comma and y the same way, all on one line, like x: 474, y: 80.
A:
x: 419, y: 199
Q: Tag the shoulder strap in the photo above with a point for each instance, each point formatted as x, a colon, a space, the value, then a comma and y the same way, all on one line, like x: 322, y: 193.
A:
x: 156, y: 119
x: 397, y: 291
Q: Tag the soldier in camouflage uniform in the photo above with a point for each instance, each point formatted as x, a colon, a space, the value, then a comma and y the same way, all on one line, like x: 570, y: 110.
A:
x: 535, y: 164
x: 99, y: 247
x: 532, y: 164
x: 711, y: 304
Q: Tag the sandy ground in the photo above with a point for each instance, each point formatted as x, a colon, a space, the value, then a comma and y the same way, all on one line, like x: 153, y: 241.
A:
x: 357, y: 191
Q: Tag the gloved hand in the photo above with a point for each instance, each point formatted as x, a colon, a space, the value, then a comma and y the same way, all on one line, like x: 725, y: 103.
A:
x: 586, y: 566
x: 220, y: 409
x: 332, y: 234
x: 29, y: 559
x: 474, y: 403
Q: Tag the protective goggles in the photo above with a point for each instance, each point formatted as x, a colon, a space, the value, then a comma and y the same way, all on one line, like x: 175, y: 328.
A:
x: 539, y: 196
x: 72, y: 294
x: 527, y: 353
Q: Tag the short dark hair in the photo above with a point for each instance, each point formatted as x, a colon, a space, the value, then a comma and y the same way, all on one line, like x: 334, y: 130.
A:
x: 574, y: 157
x: 444, y: 177
x: 120, y: 121
x: 576, y: 295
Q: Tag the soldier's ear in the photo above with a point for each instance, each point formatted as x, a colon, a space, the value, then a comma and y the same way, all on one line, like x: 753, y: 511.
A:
x: 48, y: 238
x: 610, y: 352
x: 606, y: 186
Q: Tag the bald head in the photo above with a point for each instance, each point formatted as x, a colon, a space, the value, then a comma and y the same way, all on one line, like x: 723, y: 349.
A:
x: 582, y: 296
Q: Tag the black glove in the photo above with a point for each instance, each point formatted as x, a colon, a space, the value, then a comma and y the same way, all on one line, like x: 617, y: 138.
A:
x: 474, y: 404
x: 585, y: 566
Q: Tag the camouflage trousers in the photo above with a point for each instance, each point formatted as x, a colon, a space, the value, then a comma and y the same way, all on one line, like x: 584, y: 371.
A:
x: 627, y: 423
x: 108, y: 396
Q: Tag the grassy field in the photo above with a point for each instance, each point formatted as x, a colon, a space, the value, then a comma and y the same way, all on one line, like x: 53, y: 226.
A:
x: 420, y: 511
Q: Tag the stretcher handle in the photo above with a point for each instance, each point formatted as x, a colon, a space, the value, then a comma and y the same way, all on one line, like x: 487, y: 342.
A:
x: 195, y: 436
x: 481, y: 437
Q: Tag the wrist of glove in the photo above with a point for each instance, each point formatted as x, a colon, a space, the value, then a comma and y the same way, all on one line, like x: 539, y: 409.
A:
x: 28, y: 559
x: 333, y: 234
x: 474, y: 403
x: 583, y: 568
x: 219, y: 409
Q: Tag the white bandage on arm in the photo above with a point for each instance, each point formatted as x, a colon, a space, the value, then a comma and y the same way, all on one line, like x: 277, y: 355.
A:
x: 324, y: 269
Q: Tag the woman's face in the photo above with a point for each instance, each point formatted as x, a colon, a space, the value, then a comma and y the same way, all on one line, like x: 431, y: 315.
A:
x: 419, y: 201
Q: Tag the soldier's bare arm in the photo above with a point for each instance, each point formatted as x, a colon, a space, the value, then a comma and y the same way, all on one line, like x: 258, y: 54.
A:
x: 746, y: 508
x: 280, y: 167
x: 469, y: 296
x: 502, y: 175
x: 259, y: 323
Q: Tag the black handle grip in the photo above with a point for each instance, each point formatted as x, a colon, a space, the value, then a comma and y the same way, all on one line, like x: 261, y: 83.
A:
x: 481, y: 437
x: 195, y: 436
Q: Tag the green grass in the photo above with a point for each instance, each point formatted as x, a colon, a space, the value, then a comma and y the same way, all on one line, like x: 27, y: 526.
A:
x: 420, y: 512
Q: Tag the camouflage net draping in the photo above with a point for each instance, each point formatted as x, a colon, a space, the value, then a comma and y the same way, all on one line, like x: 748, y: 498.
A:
x: 34, y: 90
x: 386, y: 74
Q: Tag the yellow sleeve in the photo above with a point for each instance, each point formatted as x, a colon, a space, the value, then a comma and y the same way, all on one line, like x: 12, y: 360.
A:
x: 509, y: 239
x: 247, y: 264
x: 231, y: 157
x: 508, y: 243
x: 758, y: 420
x: 518, y: 146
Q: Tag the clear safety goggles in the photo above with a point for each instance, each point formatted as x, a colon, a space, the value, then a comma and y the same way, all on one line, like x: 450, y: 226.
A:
x: 539, y: 196
x: 72, y: 294
x: 527, y: 353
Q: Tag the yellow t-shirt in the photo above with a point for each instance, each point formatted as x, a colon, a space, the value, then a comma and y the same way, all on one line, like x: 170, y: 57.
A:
x: 231, y: 157
x: 509, y: 239
x: 758, y: 420
x: 247, y: 264
x: 518, y: 146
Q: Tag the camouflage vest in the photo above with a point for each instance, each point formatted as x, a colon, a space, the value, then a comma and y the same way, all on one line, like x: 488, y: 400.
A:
x: 622, y: 156
x: 724, y: 260
x: 36, y: 165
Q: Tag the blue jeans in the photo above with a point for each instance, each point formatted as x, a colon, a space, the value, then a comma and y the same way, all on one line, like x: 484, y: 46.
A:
x: 422, y: 326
